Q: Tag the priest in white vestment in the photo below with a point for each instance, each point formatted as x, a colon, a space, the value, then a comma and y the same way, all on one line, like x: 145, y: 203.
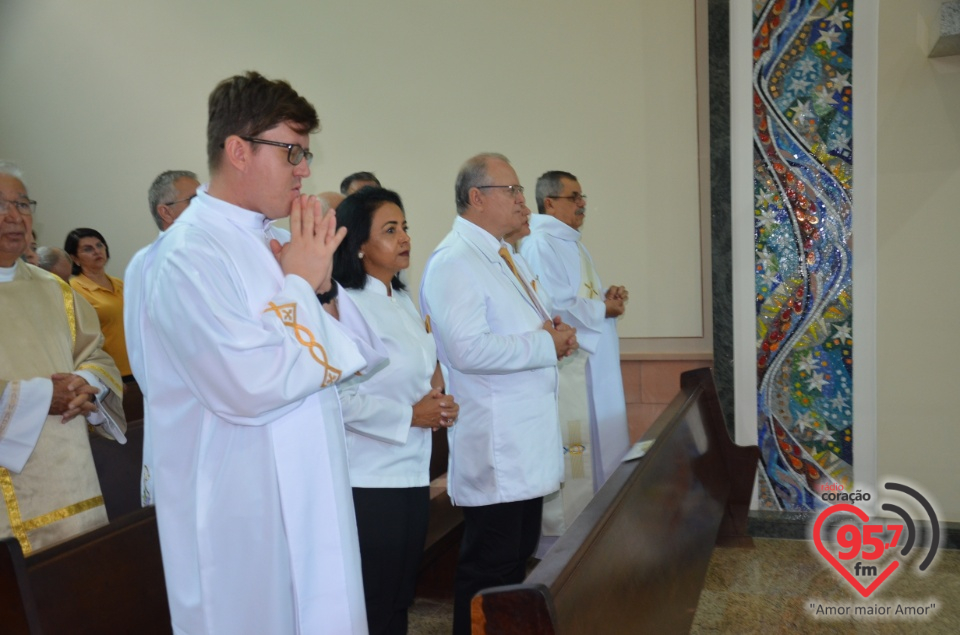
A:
x: 593, y: 414
x: 169, y: 196
x: 250, y: 480
x: 55, y: 379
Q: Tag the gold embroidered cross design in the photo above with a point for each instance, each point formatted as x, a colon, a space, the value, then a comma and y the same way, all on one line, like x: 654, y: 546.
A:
x: 592, y: 289
x: 288, y: 316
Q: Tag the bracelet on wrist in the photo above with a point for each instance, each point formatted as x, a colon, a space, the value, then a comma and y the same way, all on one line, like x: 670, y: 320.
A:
x: 329, y: 296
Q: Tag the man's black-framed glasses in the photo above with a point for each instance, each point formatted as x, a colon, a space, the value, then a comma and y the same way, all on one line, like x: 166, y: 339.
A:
x: 295, y: 151
x: 576, y: 197
x: 515, y: 190
x: 25, y: 207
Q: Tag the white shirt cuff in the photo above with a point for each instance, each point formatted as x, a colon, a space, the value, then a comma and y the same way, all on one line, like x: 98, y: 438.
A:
x: 27, y: 403
x: 94, y: 381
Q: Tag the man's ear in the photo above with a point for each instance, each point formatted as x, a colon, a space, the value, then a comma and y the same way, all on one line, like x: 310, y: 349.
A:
x: 236, y: 152
x: 475, y: 198
x: 164, y: 212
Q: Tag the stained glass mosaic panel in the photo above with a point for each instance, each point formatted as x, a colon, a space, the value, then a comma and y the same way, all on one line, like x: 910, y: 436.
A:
x: 802, y: 160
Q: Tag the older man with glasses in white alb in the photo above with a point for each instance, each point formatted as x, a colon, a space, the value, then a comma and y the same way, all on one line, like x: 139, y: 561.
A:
x: 593, y: 414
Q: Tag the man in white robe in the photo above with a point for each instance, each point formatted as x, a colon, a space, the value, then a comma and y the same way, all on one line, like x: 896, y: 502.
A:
x: 239, y: 362
x: 55, y: 379
x: 593, y: 415
x: 500, y: 347
x: 168, y: 197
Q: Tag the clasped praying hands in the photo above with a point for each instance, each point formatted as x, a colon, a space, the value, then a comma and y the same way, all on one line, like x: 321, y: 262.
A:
x: 615, y: 301
x: 314, y: 238
x: 564, y: 337
x: 435, y: 410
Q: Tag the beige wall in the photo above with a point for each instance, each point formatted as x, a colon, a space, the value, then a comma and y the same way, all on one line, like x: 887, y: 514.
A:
x: 98, y: 98
x: 918, y: 224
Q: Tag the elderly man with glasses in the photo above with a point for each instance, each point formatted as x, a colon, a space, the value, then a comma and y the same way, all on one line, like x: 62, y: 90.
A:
x: 55, y: 379
x: 238, y: 362
x: 593, y: 413
x: 501, y: 346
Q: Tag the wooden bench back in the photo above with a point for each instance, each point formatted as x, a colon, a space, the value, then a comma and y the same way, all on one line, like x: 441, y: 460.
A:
x: 109, y: 580
x: 634, y: 561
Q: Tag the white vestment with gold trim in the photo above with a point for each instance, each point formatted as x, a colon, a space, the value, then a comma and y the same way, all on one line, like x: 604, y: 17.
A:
x: 593, y: 411
x: 249, y: 475
x: 48, y: 481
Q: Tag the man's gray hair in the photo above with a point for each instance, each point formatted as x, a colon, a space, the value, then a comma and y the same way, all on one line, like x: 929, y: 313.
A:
x: 163, y: 190
x: 472, y: 174
x: 11, y: 169
x: 49, y: 257
x: 549, y: 184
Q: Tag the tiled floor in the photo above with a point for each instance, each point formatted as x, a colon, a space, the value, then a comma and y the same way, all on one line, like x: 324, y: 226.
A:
x: 430, y: 617
x: 771, y: 587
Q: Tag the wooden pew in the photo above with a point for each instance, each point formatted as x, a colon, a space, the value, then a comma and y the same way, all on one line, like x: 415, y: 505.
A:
x: 440, y: 453
x: 444, y: 531
x: 132, y: 401
x: 109, y: 580
x: 118, y: 469
x: 635, y: 560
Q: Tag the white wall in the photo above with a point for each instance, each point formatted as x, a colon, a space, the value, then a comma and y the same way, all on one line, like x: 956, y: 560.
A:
x: 97, y: 98
x: 918, y: 224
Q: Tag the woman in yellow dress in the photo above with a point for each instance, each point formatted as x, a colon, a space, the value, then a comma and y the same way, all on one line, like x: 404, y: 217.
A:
x: 89, y: 251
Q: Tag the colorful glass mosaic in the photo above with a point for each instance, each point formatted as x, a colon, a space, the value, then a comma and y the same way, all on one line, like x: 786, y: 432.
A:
x: 803, y: 167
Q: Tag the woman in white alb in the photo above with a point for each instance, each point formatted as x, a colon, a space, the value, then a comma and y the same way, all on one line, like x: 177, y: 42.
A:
x: 391, y: 413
